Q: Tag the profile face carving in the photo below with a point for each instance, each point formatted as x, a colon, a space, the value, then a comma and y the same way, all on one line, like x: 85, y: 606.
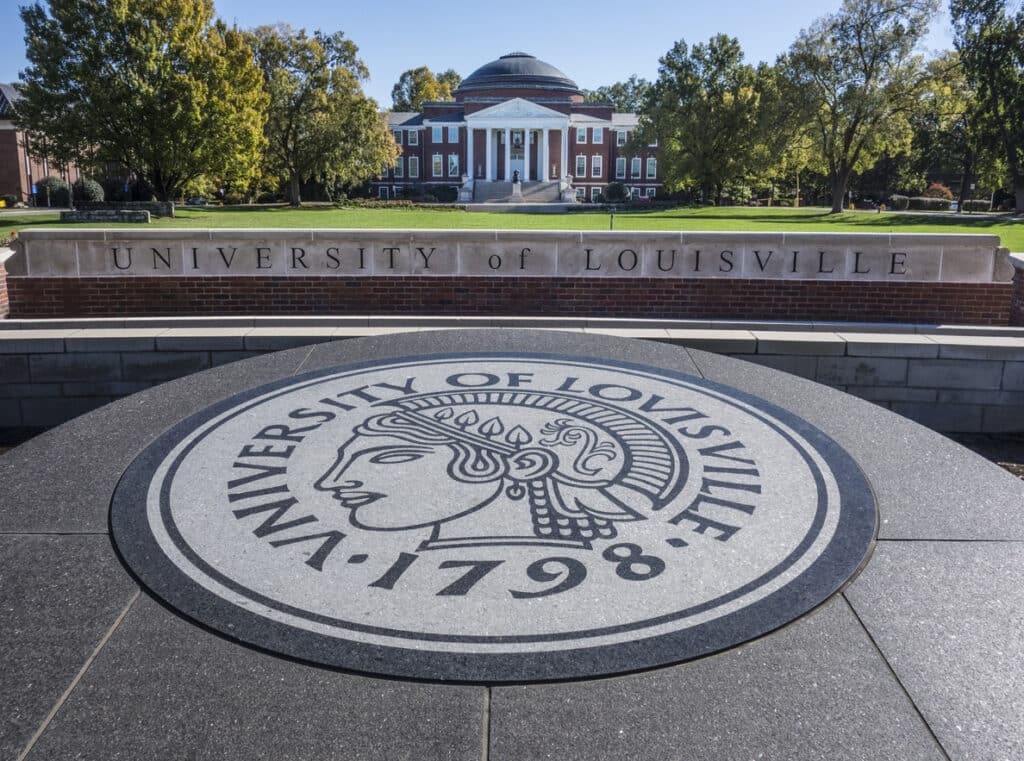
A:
x: 575, y: 467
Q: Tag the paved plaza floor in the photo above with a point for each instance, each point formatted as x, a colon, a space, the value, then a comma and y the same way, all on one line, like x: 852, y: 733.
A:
x: 597, y: 571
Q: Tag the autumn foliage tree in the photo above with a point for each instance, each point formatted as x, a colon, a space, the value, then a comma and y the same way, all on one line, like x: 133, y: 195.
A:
x: 320, y: 124
x: 159, y: 86
x: 859, y: 77
x: 420, y: 85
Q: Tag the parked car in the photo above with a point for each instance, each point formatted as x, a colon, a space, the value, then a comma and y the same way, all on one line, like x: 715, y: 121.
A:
x: 196, y: 201
x: 954, y: 206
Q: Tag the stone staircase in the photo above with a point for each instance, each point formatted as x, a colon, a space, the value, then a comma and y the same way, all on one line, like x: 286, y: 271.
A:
x: 501, y: 192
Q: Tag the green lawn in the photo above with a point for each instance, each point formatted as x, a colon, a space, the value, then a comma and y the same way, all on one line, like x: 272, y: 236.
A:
x: 733, y: 218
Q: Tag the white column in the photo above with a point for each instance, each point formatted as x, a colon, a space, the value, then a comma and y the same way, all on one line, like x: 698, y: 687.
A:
x: 508, y: 155
x: 469, y: 154
x: 488, y: 171
x: 565, y: 151
x: 545, y: 160
x: 526, y: 154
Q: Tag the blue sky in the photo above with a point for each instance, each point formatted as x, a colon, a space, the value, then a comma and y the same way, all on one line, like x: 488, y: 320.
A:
x: 595, y: 43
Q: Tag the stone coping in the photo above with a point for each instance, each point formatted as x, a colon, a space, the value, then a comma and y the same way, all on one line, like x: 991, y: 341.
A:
x: 640, y: 328
x: 1017, y: 260
x: 312, y: 233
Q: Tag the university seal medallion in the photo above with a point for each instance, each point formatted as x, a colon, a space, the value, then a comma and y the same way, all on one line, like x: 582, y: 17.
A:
x: 493, y: 517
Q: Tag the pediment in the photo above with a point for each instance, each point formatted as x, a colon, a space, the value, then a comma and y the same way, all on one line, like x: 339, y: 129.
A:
x: 516, y: 108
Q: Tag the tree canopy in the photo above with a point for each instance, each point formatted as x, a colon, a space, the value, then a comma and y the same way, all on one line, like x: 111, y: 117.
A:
x: 418, y: 86
x: 320, y: 124
x: 158, y: 86
x: 990, y: 40
x: 625, y: 97
x: 702, y: 110
x: 858, y: 76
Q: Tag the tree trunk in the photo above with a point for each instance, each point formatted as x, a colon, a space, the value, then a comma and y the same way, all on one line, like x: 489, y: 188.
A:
x: 293, y: 192
x: 796, y: 201
x: 1018, y: 192
x: 839, y: 191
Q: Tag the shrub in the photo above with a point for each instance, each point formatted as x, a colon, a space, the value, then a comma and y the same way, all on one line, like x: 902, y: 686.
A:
x: 88, y: 191
x: 938, y: 190
x: 54, y: 189
x: 977, y: 204
x: 926, y: 203
x: 616, y: 192
x: 899, y: 203
x: 269, y: 197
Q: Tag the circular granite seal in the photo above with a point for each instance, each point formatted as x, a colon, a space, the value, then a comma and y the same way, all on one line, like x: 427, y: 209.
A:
x: 493, y: 517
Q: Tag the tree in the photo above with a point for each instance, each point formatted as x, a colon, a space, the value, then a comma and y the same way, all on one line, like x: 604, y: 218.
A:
x: 320, y: 125
x: 702, y: 110
x: 991, y: 45
x: 451, y: 79
x: 418, y: 86
x: 857, y: 73
x: 158, y: 86
x: 625, y: 97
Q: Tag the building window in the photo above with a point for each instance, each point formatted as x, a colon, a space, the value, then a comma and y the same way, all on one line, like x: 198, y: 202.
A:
x: 413, y: 138
x: 438, y: 167
x: 650, y: 192
x: 581, y: 135
x: 581, y: 166
x: 581, y: 194
x: 382, y: 191
x: 414, y: 164
x: 453, y: 165
x: 634, y: 193
x: 620, y: 137
x: 453, y: 134
x: 398, y: 167
x: 652, y: 168
x: 597, y: 135
x: 398, y: 136
x: 653, y: 144
x: 595, y: 194
x: 435, y: 135
x: 620, y: 168
x: 635, y: 167
x: 596, y: 166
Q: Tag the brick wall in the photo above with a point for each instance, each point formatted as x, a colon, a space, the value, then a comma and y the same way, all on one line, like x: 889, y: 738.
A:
x: 1017, y: 302
x: 957, y: 303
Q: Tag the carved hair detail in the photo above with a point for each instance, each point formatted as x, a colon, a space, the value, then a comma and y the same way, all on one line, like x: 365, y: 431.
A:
x: 565, y: 433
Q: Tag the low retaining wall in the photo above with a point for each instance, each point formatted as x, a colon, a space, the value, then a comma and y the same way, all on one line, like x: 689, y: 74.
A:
x: 105, y: 215
x: 950, y: 379
x: 795, y: 276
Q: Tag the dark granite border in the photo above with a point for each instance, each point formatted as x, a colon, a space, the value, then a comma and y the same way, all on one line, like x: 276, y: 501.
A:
x: 846, y: 552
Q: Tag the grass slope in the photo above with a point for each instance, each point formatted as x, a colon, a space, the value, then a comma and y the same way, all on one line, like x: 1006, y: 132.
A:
x: 1010, y: 230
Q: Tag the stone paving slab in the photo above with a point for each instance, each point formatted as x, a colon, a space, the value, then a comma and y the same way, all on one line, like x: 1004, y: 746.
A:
x: 918, y: 659
x: 949, y: 619
x: 816, y: 689
x: 163, y: 689
x: 59, y: 596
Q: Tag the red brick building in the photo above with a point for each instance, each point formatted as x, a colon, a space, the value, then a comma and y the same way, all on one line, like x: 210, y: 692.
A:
x: 519, y: 115
x: 18, y: 172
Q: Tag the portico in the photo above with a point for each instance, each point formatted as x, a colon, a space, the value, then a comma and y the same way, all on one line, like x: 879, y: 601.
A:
x: 517, y: 135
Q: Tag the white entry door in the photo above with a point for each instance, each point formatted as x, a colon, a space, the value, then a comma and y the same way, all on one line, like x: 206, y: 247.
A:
x: 517, y: 155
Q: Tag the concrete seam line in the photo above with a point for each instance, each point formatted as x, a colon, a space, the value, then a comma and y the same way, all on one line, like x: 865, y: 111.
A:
x: 78, y: 678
